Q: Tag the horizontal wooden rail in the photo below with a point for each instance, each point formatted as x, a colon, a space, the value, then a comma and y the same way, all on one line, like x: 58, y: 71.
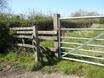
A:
x: 39, y: 32
x: 23, y: 36
x: 22, y: 28
x: 47, y: 32
x: 25, y: 45
x: 39, y: 37
x: 24, y: 32
x: 93, y: 51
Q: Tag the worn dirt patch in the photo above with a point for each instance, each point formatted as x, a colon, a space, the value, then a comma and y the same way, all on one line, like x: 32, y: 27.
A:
x: 22, y: 74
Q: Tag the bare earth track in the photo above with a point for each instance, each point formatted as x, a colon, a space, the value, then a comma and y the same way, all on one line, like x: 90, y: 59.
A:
x: 20, y: 74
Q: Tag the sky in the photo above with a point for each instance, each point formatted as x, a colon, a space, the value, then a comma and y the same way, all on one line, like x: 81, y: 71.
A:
x: 63, y: 7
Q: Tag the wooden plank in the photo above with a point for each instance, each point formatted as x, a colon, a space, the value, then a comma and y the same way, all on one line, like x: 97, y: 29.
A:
x: 21, y: 28
x: 39, y: 32
x: 24, y: 32
x: 25, y: 45
x: 47, y: 32
x: 47, y: 38
x: 23, y: 36
x: 40, y: 37
x: 56, y: 22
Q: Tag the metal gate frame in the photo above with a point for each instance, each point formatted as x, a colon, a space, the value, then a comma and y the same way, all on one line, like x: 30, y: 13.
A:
x: 62, y: 54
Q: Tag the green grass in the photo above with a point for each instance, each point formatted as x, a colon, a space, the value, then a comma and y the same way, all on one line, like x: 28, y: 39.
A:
x: 74, y: 68
x: 67, y: 67
x: 22, y: 61
x: 25, y: 61
x: 47, y: 43
x: 80, y: 69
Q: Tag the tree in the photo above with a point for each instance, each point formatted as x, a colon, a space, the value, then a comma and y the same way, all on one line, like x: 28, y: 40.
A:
x: 85, y: 22
x: 3, y: 4
x: 83, y: 13
x: 101, y: 20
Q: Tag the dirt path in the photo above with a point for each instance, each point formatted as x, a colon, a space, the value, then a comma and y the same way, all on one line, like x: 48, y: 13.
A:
x: 34, y: 75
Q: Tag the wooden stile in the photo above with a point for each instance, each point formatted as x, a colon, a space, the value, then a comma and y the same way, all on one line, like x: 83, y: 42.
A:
x: 56, y: 23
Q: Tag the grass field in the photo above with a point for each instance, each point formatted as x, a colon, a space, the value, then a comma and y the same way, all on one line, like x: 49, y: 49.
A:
x: 80, y: 69
x: 26, y: 61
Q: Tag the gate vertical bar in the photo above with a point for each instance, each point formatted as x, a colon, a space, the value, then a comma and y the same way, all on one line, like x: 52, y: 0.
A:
x: 36, y: 42
x: 56, y: 22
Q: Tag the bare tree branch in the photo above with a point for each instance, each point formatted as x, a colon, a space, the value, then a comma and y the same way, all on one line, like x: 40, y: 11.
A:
x: 3, y: 4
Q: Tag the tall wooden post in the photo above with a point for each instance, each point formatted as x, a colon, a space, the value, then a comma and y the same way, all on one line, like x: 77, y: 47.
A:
x: 56, y: 23
x: 36, y: 43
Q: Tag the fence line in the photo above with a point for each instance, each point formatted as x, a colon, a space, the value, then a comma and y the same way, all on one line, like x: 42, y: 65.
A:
x: 34, y: 35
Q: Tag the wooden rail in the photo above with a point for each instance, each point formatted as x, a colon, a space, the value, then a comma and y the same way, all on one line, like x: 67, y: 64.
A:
x: 22, y: 28
x: 25, y: 45
x: 28, y: 33
x: 34, y: 35
x: 47, y: 32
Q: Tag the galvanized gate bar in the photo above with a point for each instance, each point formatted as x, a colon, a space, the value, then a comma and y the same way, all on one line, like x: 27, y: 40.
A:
x: 83, y: 17
x: 82, y: 38
x: 93, y: 57
x: 83, y: 29
x: 83, y: 61
x: 88, y: 42
x: 93, y: 45
x: 93, y: 51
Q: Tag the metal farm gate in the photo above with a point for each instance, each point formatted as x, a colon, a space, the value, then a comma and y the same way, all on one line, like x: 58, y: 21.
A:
x: 84, y: 45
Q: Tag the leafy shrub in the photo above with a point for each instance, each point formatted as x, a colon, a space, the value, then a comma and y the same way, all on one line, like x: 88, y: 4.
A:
x: 5, y: 38
x: 43, y: 22
x: 102, y: 21
x: 76, y: 24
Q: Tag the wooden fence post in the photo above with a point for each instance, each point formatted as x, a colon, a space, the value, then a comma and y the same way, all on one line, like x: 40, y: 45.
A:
x: 56, y: 23
x: 36, y: 43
